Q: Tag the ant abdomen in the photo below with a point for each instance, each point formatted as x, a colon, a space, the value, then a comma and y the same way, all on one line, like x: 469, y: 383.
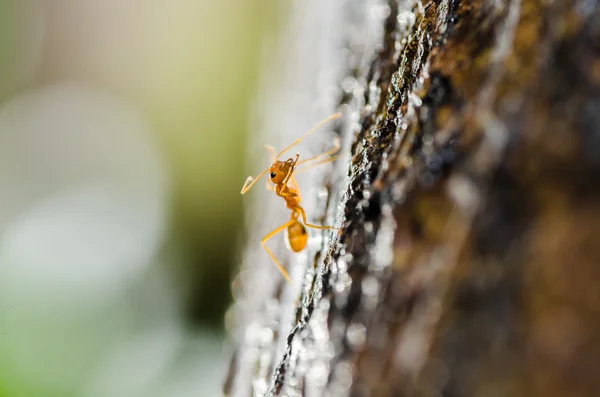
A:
x: 296, y: 236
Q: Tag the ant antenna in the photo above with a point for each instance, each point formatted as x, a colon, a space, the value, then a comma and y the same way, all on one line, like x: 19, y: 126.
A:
x: 251, y: 181
x: 332, y: 117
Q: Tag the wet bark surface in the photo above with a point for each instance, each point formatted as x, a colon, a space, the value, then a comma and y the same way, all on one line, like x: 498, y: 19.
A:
x: 469, y: 262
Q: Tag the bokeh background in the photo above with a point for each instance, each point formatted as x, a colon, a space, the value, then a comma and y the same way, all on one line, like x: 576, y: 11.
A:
x: 123, y: 127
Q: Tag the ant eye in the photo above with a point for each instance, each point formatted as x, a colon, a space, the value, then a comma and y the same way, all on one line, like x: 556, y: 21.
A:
x: 273, y: 175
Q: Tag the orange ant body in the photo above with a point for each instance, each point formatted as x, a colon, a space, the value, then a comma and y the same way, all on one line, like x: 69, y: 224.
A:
x: 280, y: 174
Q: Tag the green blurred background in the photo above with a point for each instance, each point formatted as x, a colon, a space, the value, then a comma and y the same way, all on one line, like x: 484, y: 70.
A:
x: 123, y: 127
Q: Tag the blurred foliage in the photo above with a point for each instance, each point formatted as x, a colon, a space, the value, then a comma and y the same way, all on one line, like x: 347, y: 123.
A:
x: 204, y: 134
x: 191, y: 66
x: 9, y: 49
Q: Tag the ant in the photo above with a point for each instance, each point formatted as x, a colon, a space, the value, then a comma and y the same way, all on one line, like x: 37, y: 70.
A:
x: 280, y: 173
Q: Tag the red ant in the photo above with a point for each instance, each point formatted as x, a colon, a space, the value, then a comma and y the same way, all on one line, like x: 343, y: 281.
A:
x: 280, y: 173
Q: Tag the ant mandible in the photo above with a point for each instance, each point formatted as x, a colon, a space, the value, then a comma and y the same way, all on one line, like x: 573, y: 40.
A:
x: 280, y: 173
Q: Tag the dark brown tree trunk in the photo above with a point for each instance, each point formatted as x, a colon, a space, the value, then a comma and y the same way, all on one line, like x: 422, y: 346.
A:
x: 469, y: 197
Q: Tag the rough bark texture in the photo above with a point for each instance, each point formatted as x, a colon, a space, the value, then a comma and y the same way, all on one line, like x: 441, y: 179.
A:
x: 469, y: 263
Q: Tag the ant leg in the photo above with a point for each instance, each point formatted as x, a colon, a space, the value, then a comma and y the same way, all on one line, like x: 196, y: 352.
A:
x: 288, y: 194
x: 289, y: 174
x: 303, y: 214
x: 284, y: 195
x: 336, y: 146
x: 316, y: 164
x: 269, y: 187
x: 295, y: 186
x: 316, y: 127
x: 263, y: 242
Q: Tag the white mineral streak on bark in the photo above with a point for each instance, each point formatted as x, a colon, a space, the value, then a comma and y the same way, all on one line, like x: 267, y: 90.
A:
x: 299, y: 89
x: 360, y: 28
x: 313, y: 80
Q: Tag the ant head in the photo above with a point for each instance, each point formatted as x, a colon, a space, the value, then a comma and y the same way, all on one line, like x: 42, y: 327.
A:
x: 279, y: 170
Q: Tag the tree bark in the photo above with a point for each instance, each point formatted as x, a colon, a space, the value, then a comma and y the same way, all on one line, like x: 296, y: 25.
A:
x: 468, y: 196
